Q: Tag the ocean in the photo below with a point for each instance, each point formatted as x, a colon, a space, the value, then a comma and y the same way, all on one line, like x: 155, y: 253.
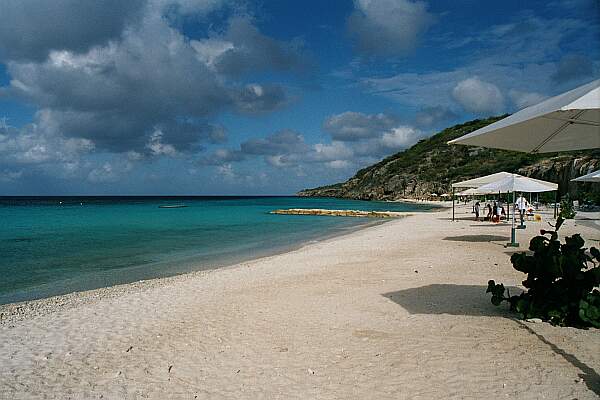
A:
x: 57, y: 245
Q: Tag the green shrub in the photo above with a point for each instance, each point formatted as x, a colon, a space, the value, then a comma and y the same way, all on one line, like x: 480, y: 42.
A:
x: 589, y: 309
x: 566, y: 208
x: 560, y: 280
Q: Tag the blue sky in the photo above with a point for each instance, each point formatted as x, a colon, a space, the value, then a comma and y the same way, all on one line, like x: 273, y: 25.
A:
x: 262, y: 97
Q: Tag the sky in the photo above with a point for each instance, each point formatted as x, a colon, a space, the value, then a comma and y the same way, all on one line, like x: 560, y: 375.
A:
x: 215, y: 97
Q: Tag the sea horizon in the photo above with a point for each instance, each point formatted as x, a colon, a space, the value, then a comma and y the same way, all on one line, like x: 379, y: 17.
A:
x: 149, y: 195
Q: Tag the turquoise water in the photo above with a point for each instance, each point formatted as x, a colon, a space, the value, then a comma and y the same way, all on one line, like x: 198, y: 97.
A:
x: 48, y: 248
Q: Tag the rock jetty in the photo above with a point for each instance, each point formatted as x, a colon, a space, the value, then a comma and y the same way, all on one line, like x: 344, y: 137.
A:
x: 340, y: 213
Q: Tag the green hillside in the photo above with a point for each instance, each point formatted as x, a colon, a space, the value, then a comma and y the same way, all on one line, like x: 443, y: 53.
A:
x: 431, y: 166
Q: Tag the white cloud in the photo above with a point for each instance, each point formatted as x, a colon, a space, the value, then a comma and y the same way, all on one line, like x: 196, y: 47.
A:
x: 30, y: 29
x: 574, y: 68
x: 39, y: 143
x: 352, y: 126
x: 277, y: 161
x: 134, y: 155
x: 524, y: 99
x: 104, y: 173
x: 365, y: 135
x: 433, y: 116
x: 282, y: 142
x: 520, y: 55
x: 388, y: 27
x: 151, y: 75
x: 226, y: 171
x: 157, y: 147
x: 335, y: 151
x: 110, y: 171
x: 10, y: 176
x: 339, y: 164
x: 478, y: 96
x: 188, y: 6
x: 243, y: 48
x: 422, y: 89
x: 209, y: 50
x: 222, y: 156
x: 357, y: 140
x: 401, y: 137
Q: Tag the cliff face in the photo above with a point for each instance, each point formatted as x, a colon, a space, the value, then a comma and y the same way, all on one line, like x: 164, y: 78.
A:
x: 431, y: 166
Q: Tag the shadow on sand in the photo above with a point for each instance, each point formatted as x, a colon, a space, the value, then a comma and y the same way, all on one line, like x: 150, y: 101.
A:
x: 489, y: 225
x: 472, y: 219
x: 477, y: 238
x: 471, y: 300
x: 482, y: 221
x: 448, y: 299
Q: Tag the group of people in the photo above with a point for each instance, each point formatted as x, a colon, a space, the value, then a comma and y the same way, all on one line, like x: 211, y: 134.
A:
x: 496, y: 211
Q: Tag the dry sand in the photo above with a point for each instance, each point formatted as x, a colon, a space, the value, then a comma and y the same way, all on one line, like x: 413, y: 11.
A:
x: 394, y: 311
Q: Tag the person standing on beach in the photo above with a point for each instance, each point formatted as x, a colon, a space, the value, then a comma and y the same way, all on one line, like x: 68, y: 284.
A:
x: 476, y: 211
x: 495, y: 217
x: 521, y: 204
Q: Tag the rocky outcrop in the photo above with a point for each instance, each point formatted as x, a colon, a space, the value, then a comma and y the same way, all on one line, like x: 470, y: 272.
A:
x: 562, y: 169
x: 340, y: 213
x: 431, y: 166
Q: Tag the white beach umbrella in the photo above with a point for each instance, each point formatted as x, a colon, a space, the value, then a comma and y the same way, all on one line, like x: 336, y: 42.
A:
x: 569, y: 121
x: 468, y: 192
x: 474, y: 183
x: 475, y: 191
x: 482, y: 180
x: 518, y: 183
x: 591, y: 177
x: 477, y: 183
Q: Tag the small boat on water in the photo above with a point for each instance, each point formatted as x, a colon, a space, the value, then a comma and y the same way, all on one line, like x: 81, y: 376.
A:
x: 173, y: 206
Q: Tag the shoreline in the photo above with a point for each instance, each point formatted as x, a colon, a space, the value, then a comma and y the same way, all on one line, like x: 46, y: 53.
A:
x: 21, y: 310
x: 440, y: 204
x: 169, y: 258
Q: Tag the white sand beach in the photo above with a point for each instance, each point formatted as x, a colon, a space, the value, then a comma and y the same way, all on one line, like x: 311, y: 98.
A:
x: 394, y: 311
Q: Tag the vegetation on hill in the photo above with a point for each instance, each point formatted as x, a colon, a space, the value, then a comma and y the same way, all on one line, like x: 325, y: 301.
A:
x: 431, y: 165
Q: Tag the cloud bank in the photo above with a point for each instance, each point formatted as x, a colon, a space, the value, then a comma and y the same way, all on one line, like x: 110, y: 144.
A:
x: 357, y: 139
x: 118, y: 78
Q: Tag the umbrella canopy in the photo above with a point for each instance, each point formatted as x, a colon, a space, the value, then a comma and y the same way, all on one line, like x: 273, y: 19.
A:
x: 483, y: 180
x: 518, y: 183
x: 569, y: 121
x: 475, y: 191
x: 591, y: 177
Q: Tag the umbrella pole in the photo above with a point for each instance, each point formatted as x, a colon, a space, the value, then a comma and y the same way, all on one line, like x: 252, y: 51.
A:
x: 513, y: 241
x: 452, y: 204
x: 521, y: 219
